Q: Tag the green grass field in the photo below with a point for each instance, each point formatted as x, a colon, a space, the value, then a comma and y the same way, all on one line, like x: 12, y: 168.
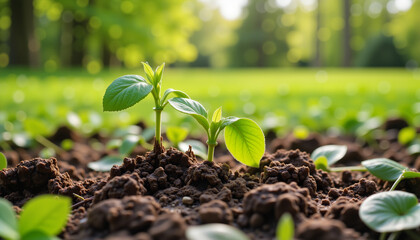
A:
x: 275, y: 98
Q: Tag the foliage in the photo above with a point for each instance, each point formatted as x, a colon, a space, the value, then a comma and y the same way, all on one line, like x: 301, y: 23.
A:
x: 214, y: 231
x: 42, y: 217
x: 3, y: 161
x: 406, y: 135
x: 285, y: 227
x: 326, y: 156
x: 176, y: 135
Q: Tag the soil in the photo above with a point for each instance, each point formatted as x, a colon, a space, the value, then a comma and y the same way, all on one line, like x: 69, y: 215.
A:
x: 157, y: 195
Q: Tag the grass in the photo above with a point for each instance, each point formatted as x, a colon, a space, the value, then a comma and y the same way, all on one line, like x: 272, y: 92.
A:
x: 276, y: 98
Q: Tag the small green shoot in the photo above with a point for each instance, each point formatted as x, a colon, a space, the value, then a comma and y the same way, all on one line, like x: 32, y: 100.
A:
x: 3, y: 161
x: 126, y: 91
x: 215, y: 231
x: 42, y: 217
x: 391, y: 211
x: 285, y: 227
x: 406, y: 135
x: 243, y: 137
x: 327, y: 155
x: 176, y: 135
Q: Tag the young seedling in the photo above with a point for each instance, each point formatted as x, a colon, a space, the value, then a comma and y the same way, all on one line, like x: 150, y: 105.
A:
x: 42, y: 217
x: 128, y: 90
x: 391, y: 212
x: 215, y: 231
x: 177, y: 135
x: 243, y: 137
x: 285, y: 227
x: 327, y: 155
x: 3, y: 161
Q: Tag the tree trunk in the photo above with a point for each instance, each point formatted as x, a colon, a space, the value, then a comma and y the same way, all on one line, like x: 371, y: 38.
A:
x: 346, y: 34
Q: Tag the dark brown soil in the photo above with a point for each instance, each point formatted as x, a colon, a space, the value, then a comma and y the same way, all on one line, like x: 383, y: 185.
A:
x: 157, y: 195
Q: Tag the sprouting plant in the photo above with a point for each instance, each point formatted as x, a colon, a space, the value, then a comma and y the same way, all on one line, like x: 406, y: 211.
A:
x: 285, y: 227
x: 177, y: 135
x: 327, y: 155
x: 128, y: 90
x: 391, y: 212
x: 243, y: 137
x: 3, y: 161
x: 42, y: 217
x: 214, y: 231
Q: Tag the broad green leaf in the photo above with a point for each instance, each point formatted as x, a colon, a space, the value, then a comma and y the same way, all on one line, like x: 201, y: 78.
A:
x: 285, y: 228
x: 38, y: 236
x: 191, y: 107
x: 106, y: 163
x: 8, y: 222
x: 128, y: 144
x: 214, y: 231
x: 321, y: 163
x: 3, y: 161
x: 177, y: 93
x: 391, y: 211
x: 217, y: 115
x: 333, y: 153
x: 159, y: 73
x: 176, y: 134
x: 124, y: 92
x: 245, y: 141
x: 45, y: 213
x: 227, y: 121
x: 198, y: 148
x: 406, y: 135
x: 383, y: 168
x: 150, y: 75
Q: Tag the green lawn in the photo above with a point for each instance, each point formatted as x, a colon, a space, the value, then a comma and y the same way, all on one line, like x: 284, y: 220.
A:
x: 280, y: 98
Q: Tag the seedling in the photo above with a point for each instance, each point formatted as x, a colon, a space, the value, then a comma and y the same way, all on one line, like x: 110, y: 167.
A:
x: 326, y: 156
x: 128, y: 90
x: 285, y: 227
x: 3, y: 161
x: 391, y: 212
x: 176, y: 135
x: 214, y: 231
x: 42, y: 217
x: 243, y: 137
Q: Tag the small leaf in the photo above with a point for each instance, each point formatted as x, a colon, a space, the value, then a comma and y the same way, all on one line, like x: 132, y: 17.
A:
x: 3, y: 161
x: 128, y: 144
x: 177, y: 93
x: 383, y: 168
x: 227, y: 121
x: 214, y: 231
x: 8, y: 222
x: 321, y: 163
x: 124, y: 92
x: 176, y: 134
x: 105, y: 164
x: 333, y: 153
x: 217, y: 115
x: 285, y: 228
x: 150, y: 75
x: 193, y: 108
x: 159, y: 73
x: 391, y: 211
x: 38, y: 236
x: 406, y: 135
x: 45, y: 213
x: 198, y: 147
x: 410, y: 174
x: 245, y: 141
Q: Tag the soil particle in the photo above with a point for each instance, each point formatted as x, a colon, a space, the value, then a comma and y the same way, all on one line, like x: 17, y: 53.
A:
x: 207, y: 174
x: 363, y: 188
x: 187, y: 201
x: 215, y: 211
x: 168, y: 226
x: 347, y: 210
x: 326, y: 229
x: 157, y: 180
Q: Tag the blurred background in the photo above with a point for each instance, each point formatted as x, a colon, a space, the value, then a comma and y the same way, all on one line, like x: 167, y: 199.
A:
x: 301, y: 66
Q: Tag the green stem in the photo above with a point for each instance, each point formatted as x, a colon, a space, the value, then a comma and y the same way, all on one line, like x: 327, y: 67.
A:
x: 158, y: 125
x: 394, y: 236
x: 399, y: 179
x: 350, y: 168
x: 47, y: 143
x: 210, y: 153
x: 383, y: 235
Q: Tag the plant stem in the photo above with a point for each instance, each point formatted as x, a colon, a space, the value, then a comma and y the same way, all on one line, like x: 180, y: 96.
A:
x: 210, y: 153
x: 383, y: 235
x: 47, y: 143
x: 350, y: 168
x: 158, y: 125
x: 399, y: 179
x: 394, y: 236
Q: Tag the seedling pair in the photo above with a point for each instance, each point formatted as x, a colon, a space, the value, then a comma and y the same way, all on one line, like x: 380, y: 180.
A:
x: 42, y: 217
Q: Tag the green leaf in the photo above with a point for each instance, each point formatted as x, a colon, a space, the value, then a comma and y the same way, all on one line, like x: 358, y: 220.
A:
x: 177, y: 93
x: 391, y: 211
x: 217, y: 115
x: 245, y: 141
x: 159, y: 73
x: 8, y: 222
x: 410, y: 174
x: 45, y: 213
x: 3, y: 161
x: 383, y: 168
x: 414, y: 149
x: 333, y: 153
x: 193, y: 108
x: 124, y: 92
x: 406, y: 135
x: 38, y: 236
x: 198, y: 148
x: 128, y: 144
x: 321, y: 163
x: 176, y: 134
x: 150, y: 75
x: 285, y: 228
x: 214, y: 231
x: 227, y: 121
x: 105, y: 164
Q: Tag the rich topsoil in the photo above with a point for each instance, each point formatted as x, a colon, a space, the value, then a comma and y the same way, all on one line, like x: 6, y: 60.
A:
x: 158, y: 194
